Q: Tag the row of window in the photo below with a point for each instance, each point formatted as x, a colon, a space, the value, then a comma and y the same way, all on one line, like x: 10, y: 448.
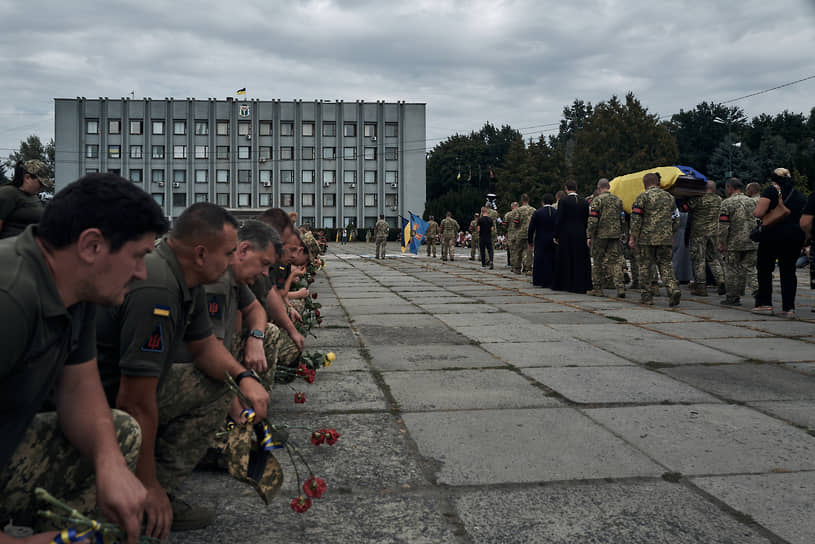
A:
x: 244, y: 152
x: 265, y: 199
x: 264, y: 176
x: 136, y: 127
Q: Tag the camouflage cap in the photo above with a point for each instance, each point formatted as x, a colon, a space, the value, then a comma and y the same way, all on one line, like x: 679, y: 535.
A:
x: 312, y: 246
x: 247, y: 462
x: 37, y: 169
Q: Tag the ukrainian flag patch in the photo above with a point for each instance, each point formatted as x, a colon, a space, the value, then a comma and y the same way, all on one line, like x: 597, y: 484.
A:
x: 163, y: 311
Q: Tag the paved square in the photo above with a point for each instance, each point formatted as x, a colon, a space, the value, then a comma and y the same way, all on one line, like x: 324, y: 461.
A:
x: 431, y: 357
x: 748, y: 382
x: 564, y: 353
x: 766, y: 349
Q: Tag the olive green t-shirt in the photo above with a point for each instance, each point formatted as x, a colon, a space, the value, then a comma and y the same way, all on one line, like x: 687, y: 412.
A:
x: 18, y: 209
x: 139, y: 338
x: 38, y: 337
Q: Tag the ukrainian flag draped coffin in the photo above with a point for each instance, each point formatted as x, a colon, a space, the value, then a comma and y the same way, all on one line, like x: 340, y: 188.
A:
x: 679, y: 180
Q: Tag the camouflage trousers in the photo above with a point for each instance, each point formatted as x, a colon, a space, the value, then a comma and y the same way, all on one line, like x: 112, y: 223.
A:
x: 741, y: 271
x: 447, y: 247
x: 647, y: 257
x: 606, y: 257
x: 280, y: 350
x: 431, y: 243
x: 520, y: 255
x: 46, y: 459
x: 298, y: 305
x: 380, y: 247
x: 704, y: 250
x: 473, y: 247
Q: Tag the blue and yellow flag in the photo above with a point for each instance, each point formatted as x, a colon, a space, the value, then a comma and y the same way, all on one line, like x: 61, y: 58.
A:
x: 405, y: 234
x: 241, y: 91
x: 418, y: 229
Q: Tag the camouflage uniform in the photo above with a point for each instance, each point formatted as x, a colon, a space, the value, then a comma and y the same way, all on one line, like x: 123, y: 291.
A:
x: 381, y: 237
x: 654, y: 220
x: 508, y: 221
x: 449, y: 230
x: 604, y: 229
x: 519, y: 246
x: 46, y: 459
x: 474, y: 240
x: 430, y: 235
x: 735, y: 222
x: 704, y: 240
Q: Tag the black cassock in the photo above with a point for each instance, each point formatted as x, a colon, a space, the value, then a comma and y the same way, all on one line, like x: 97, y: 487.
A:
x: 572, y: 264
x: 542, y: 230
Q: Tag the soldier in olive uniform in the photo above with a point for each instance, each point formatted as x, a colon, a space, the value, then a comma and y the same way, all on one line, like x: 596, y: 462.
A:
x: 735, y: 223
x: 381, y: 236
x: 449, y: 231
x: 474, y: 239
x: 509, y: 221
x: 519, y: 248
x: 704, y: 215
x: 89, y: 246
x: 603, y: 232
x: 431, y: 235
x: 654, y: 220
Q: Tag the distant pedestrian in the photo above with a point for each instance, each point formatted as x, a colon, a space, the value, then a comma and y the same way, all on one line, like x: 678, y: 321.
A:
x: 20, y: 204
x: 486, y: 228
x: 381, y: 236
x: 449, y: 231
x: 432, y: 235
x: 605, y: 226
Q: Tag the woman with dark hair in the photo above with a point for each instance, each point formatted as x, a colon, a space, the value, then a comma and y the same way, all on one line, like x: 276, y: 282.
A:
x: 19, y: 204
x: 781, y: 241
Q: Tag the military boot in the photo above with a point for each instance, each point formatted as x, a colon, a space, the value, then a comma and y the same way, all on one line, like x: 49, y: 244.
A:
x: 621, y: 293
x: 675, y: 297
x: 699, y: 289
x: 722, y: 288
x: 731, y: 301
x: 595, y: 293
x: 188, y: 517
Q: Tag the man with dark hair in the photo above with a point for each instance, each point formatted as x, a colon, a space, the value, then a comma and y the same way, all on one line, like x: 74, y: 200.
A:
x: 178, y: 406
x: 603, y: 232
x: 381, y: 236
x: 572, y: 265
x: 431, y: 235
x: 735, y: 223
x: 278, y: 219
x: 654, y: 221
x: 97, y: 233
x: 521, y: 255
x: 449, y: 231
x: 485, y: 227
x: 704, y: 242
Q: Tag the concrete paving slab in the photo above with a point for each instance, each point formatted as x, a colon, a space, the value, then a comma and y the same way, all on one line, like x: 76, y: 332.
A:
x: 783, y: 327
x: 532, y: 445
x: 705, y: 329
x: 783, y: 503
x: 465, y: 390
x: 637, y: 315
x: 376, y: 335
x: 645, y: 512
x: 376, y: 307
x: 609, y: 330
x: 666, y: 350
x: 747, y: 382
x: 439, y: 308
x: 331, y: 391
x: 508, y: 300
x: 703, y: 439
x: 540, y: 307
x: 618, y: 384
x: 348, y: 360
x: 796, y: 412
x: 397, y: 320
x: 766, y: 349
x: 715, y: 313
x: 576, y: 317
x: 544, y: 354
x: 332, y: 338
x: 519, y: 332
x: 805, y: 368
x: 431, y: 357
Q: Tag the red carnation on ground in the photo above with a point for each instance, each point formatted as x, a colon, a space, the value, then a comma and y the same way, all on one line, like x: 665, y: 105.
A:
x: 317, y: 437
x: 314, y: 296
x: 314, y: 487
x: 317, y: 313
x: 300, y: 504
x: 310, y: 376
x: 310, y: 281
x: 302, y: 370
x: 331, y: 436
x: 299, y: 398
x: 319, y: 321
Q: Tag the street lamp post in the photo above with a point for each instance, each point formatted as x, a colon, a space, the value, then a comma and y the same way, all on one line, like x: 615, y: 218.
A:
x: 729, y: 122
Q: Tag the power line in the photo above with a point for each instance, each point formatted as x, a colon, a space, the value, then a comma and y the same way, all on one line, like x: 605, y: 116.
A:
x: 768, y: 90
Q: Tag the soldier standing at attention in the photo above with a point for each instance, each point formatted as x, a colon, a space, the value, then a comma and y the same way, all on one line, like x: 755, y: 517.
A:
x: 753, y: 190
x: 521, y: 255
x: 474, y: 240
x: 735, y: 222
x: 449, y: 230
x: 603, y: 233
x: 381, y: 236
x: 654, y: 220
x: 511, y: 226
x: 704, y: 212
x: 431, y: 235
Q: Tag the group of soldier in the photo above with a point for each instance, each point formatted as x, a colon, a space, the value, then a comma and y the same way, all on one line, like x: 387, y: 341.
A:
x: 167, y: 317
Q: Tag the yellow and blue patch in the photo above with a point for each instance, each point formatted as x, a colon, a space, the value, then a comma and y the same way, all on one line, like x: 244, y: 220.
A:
x: 161, y: 310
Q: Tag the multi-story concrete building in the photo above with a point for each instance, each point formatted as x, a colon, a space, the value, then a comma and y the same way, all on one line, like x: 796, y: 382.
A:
x: 334, y: 163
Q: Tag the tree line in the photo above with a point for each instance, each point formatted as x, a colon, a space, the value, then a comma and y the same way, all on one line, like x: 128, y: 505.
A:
x: 615, y: 137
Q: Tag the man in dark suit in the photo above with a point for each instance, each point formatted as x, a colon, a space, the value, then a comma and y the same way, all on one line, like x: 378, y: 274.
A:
x: 573, y: 268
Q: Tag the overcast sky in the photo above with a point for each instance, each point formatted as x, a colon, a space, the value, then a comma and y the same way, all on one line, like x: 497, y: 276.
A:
x: 507, y: 62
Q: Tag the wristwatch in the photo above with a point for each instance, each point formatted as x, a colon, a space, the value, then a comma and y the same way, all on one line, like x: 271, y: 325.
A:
x: 248, y: 374
x: 257, y: 333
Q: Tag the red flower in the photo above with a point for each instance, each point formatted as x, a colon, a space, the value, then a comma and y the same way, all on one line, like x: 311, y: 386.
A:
x: 310, y: 281
x: 310, y: 376
x: 314, y: 296
x: 302, y: 370
x: 331, y: 436
x: 318, y: 437
x: 300, y: 504
x: 317, y: 313
x: 299, y: 398
x: 314, y: 487
x: 319, y: 321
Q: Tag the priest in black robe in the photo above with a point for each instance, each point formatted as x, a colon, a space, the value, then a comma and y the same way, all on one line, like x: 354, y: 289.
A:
x: 573, y: 264
x: 541, y: 233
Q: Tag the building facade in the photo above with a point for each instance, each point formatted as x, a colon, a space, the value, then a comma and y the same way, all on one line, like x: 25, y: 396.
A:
x: 334, y: 163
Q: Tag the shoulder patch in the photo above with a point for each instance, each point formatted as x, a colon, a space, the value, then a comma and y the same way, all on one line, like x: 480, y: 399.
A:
x: 215, y: 305
x: 154, y: 342
x: 638, y: 211
x: 161, y: 310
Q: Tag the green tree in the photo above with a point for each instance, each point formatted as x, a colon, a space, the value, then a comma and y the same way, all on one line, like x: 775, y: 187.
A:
x: 619, y: 138
x: 462, y: 204
x: 33, y: 148
x: 744, y: 163
x: 697, y: 134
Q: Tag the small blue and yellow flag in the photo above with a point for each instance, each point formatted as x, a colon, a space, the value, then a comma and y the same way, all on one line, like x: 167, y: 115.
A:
x: 405, y: 234
x: 418, y: 229
x: 163, y: 311
x: 241, y: 91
